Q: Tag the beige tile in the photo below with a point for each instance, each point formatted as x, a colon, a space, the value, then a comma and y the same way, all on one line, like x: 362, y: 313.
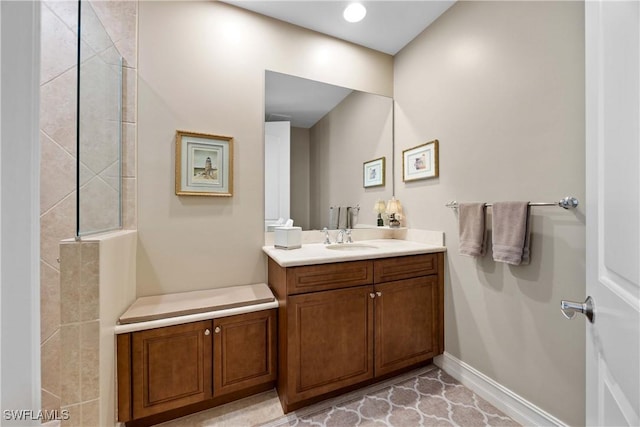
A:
x: 58, y: 109
x: 58, y: 46
x: 74, y: 418
x: 128, y: 48
x: 91, y: 413
x: 111, y: 175
x: 70, y: 279
x: 92, y: 30
x: 89, y: 282
x: 129, y: 206
x: 50, y: 364
x: 86, y: 174
x: 50, y: 402
x: 99, y: 206
x: 57, y: 173
x: 99, y: 131
x: 89, y: 360
x: 66, y: 10
x: 118, y: 17
x: 70, y: 366
x: 120, y: 21
x: 57, y: 224
x: 129, y: 150
x: 251, y: 411
x: 129, y: 90
x: 49, y: 301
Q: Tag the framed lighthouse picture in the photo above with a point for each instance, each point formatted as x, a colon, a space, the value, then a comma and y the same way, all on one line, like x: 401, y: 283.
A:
x: 204, y: 164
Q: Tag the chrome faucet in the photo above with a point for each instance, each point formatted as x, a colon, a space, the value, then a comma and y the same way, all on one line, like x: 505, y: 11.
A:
x: 340, y: 236
x: 327, y: 241
x: 348, y: 233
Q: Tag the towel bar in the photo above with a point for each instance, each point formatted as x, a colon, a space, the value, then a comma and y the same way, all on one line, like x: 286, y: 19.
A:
x: 566, y: 203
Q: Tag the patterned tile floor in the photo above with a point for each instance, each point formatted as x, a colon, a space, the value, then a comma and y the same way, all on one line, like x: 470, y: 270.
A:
x: 425, y: 397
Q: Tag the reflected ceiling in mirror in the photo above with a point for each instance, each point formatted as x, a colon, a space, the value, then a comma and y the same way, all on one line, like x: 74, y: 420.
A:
x: 314, y: 158
x: 300, y: 101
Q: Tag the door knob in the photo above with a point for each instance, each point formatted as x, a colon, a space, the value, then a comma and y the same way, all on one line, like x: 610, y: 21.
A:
x: 570, y: 308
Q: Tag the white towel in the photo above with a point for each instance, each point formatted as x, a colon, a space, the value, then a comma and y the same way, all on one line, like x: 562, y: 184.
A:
x: 510, y: 222
x: 471, y: 229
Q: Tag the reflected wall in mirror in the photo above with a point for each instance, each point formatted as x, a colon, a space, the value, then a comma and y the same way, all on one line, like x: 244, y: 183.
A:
x: 317, y: 138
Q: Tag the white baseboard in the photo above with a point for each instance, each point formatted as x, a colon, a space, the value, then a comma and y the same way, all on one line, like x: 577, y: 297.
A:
x: 518, y: 408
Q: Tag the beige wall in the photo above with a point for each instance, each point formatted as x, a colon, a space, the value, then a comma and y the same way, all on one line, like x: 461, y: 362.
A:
x: 501, y: 85
x: 201, y: 68
x: 357, y: 130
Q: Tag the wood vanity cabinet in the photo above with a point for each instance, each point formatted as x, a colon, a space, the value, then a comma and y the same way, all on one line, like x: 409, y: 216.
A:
x: 171, y: 367
x: 244, y: 351
x: 329, y: 340
x: 194, y: 365
x: 349, y: 323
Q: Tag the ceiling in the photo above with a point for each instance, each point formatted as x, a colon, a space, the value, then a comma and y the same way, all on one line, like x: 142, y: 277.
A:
x: 387, y: 27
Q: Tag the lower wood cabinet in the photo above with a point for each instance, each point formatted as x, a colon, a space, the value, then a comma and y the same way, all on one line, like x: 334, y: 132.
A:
x: 244, y: 349
x: 405, y: 323
x: 345, y: 324
x: 169, y: 368
x: 330, y: 341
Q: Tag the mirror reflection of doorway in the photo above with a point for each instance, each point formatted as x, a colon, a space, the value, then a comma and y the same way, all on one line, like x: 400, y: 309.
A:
x: 277, y: 141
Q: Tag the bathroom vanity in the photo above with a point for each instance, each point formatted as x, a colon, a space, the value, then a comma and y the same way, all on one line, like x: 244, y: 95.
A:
x: 353, y: 315
x: 181, y: 353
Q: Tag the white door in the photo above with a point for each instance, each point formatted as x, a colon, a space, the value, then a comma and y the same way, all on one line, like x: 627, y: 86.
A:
x: 613, y: 221
x: 277, y: 193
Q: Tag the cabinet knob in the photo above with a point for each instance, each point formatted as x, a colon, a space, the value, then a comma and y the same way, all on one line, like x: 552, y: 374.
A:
x: 378, y: 293
x: 207, y: 332
x: 372, y: 295
x: 217, y: 330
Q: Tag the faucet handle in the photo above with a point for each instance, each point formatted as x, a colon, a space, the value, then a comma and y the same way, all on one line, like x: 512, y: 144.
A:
x: 327, y: 241
x: 348, y: 233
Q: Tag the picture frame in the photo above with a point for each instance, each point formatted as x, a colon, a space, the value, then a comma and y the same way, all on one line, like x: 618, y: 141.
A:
x: 373, y: 173
x: 204, y: 164
x: 420, y: 162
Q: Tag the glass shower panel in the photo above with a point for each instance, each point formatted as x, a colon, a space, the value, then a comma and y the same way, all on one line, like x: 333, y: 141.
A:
x: 99, y: 169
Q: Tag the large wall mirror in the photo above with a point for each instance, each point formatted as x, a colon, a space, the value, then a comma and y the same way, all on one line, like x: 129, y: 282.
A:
x: 318, y: 138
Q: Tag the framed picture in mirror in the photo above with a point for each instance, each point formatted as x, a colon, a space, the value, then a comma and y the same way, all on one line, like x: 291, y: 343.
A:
x: 420, y: 162
x: 373, y: 173
x: 204, y: 164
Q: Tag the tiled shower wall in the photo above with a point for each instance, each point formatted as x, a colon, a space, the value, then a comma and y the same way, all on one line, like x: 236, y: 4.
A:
x: 69, y: 315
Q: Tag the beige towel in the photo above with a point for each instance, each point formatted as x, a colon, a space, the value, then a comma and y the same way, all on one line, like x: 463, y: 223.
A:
x: 511, y: 232
x: 471, y: 229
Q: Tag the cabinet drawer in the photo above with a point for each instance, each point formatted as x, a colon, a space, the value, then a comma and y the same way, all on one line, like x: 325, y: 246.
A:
x: 324, y: 277
x: 405, y: 267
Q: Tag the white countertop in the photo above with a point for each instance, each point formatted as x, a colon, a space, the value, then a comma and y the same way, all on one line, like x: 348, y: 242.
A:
x: 318, y: 253
x: 173, y: 309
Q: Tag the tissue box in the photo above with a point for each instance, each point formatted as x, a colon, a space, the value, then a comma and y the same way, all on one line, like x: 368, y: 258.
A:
x: 288, y: 237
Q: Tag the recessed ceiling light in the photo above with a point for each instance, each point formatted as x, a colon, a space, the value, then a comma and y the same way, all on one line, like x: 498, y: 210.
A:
x: 355, y: 12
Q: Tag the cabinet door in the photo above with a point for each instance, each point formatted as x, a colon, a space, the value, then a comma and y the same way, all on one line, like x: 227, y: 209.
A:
x: 330, y: 341
x: 171, y: 367
x: 244, y: 351
x: 405, y: 318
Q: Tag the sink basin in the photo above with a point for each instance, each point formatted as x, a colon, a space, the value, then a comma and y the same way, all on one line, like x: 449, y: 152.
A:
x: 350, y: 246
